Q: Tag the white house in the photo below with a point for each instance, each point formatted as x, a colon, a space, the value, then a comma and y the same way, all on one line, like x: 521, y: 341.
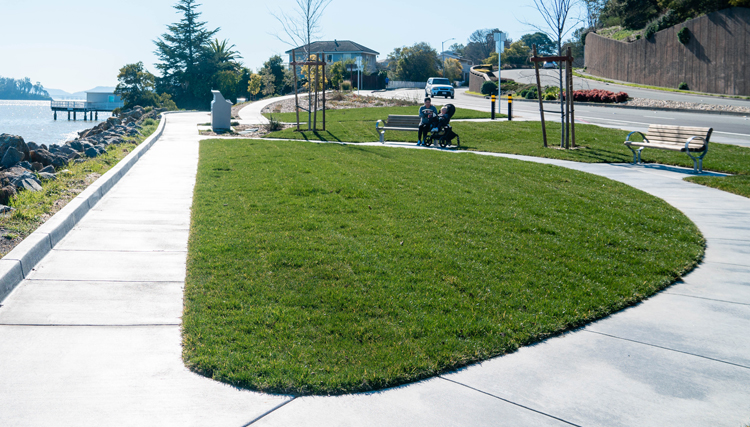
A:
x: 338, y: 50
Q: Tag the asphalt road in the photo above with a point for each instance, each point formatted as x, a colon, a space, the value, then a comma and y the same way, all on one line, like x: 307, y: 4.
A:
x: 551, y: 77
x: 728, y: 129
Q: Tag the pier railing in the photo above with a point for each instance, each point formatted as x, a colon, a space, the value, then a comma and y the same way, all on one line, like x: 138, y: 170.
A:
x: 85, y: 106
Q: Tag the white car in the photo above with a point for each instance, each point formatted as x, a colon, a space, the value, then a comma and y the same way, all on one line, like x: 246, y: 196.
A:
x: 438, y: 86
x: 549, y: 64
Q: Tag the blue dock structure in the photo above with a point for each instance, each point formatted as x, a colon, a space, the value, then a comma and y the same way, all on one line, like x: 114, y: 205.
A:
x: 94, y: 103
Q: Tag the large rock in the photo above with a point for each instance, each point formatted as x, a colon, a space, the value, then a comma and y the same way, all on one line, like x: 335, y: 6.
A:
x: 7, y: 141
x: 47, y: 176
x: 27, y: 181
x: 114, y: 121
x: 43, y: 156
x: 6, y: 193
x: 48, y: 169
x: 91, y: 152
x: 76, y: 145
x: 11, y: 157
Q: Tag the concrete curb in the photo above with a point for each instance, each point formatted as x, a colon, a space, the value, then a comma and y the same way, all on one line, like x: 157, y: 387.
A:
x: 18, y: 263
x: 632, y: 107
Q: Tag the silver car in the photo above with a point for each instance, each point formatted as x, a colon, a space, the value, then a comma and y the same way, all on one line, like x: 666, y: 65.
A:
x: 438, y: 86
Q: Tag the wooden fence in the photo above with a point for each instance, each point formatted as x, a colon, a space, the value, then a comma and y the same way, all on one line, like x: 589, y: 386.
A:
x: 715, y: 60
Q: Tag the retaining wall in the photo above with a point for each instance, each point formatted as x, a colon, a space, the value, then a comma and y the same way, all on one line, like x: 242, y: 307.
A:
x: 715, y: 60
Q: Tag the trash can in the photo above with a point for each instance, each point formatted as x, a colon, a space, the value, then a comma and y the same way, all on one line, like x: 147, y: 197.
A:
x: 221, y: 112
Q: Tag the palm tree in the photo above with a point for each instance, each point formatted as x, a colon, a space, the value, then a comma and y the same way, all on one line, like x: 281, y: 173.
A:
x: 223, y: 53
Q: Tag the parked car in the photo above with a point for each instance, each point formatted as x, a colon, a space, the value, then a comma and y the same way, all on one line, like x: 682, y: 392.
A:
x: 549, y: 64
x: 438, y: 86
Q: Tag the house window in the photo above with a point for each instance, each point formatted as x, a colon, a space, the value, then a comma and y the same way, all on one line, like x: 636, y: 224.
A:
x: 329, y: 58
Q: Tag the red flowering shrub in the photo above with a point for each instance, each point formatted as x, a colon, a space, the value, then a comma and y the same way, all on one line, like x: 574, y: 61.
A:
x: 598, y: 95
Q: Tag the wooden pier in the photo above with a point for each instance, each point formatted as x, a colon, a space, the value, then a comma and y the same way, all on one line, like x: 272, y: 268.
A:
x: 91, y: 109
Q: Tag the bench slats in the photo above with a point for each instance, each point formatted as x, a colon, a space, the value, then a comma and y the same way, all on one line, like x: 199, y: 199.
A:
x: 673, y: 138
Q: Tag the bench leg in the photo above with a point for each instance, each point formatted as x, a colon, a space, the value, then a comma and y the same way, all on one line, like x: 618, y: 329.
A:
x: 382, y: 136
x: 636, y: 156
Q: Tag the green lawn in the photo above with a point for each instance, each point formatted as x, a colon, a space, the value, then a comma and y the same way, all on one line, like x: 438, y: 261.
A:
x: 596, y: 144
x: 327, y: 268
x: 358, y: 124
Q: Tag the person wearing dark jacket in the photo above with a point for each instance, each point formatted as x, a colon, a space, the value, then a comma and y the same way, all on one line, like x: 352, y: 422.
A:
x: 426, y: 113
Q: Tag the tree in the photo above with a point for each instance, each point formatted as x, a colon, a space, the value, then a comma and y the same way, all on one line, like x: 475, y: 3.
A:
x: 416, y: 63
x: 516, y: 55
x: 253, y: 86
x: 593, y: 11
x: 544, y: 46
x: 181, y: 52
x: 222, y: 53
x: 310, y: 73
x: 136, y: 86
x: 481, y: 45
x: 457, y: 48
x: 336, y: 74
x: 452, y: 69
x: 301, y: 29
x: 555, y: 14
x: 274, y: 67
x: 268, y: 82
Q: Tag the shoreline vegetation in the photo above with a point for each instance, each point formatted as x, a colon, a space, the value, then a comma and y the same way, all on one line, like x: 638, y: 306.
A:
x: 22, y: 90
x: 37, y: 180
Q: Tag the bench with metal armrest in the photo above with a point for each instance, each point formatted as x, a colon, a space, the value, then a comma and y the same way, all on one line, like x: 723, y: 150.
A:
x: 691, y: 140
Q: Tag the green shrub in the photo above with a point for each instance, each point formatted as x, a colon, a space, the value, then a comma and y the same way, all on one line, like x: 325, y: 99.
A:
x: 273, y: 124
x: 148, y: 122
x: 489, y: 88
x: 651, y: 29
x: 551, y: 93
x: 683, y: 86
x: 683, y: 35
x: 346, y: 85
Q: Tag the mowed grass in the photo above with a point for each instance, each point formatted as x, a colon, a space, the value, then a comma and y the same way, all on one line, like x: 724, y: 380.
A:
x: 358, y: 124
x: 595, y: 145
x: 328, y: 269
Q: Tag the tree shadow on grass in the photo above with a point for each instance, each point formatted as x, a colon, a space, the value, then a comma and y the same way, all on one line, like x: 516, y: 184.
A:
x: 324, y: 136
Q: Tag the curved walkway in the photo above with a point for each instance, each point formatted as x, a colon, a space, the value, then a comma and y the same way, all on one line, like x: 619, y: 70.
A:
x: 92, y: 336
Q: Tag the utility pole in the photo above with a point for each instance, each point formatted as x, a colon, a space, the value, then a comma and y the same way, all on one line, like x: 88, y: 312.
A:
x: 442, y: 54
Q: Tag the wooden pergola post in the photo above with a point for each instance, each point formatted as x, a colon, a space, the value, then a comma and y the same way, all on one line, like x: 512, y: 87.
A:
x: 539, y: 94
x: 296, y: 99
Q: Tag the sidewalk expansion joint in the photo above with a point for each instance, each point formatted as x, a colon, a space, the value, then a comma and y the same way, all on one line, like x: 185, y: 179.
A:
x: 182, y: 282
x: 707, y: 299
x: 121, y: 250
x: 92, y: 325
x: 669, y: 349
x: 268, y: 412
x: 509, y: 401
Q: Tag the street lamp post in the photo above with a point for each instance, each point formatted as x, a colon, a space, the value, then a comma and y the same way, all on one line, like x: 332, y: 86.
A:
x: 499, y: 47
x: 442, y: 53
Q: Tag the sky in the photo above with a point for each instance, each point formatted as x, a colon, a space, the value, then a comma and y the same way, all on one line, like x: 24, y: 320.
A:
x: 80, y: 44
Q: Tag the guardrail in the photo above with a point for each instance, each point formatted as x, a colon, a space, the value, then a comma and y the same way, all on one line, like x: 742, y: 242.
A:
x: 87, y: 106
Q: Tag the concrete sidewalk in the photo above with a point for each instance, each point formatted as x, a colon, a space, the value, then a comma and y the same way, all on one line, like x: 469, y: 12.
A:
x: 92, y: 336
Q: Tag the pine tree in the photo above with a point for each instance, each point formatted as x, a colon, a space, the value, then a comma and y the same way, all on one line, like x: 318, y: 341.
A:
x: 182, y: 52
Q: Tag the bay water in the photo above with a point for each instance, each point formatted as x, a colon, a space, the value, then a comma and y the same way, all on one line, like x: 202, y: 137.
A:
x: 34, y: 121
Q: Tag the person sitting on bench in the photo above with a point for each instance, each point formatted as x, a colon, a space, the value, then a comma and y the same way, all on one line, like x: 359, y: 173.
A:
x: 426, y: 113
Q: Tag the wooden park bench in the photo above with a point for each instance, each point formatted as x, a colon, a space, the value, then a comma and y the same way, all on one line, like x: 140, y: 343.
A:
x: 674, y: 138
x: 395, y: 122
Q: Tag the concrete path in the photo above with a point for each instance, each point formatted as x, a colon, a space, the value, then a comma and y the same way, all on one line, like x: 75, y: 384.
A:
x: 92, y: 336
x: 251, y: 115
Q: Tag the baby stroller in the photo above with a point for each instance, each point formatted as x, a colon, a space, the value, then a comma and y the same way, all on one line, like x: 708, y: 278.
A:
x: 444, y: 133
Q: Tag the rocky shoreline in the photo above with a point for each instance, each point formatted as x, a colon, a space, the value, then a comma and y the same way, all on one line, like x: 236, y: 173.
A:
x: 24, y: 166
